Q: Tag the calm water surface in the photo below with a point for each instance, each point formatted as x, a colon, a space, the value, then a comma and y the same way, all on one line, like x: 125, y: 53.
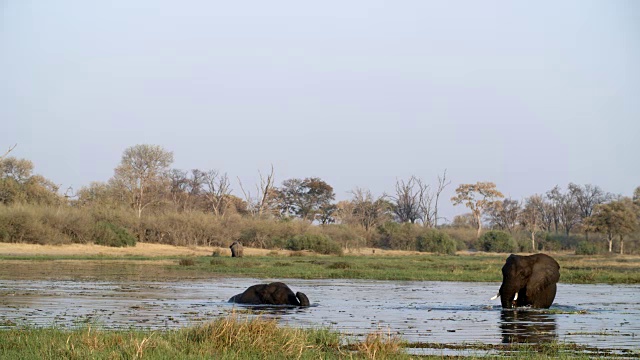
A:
x: 603, y: 316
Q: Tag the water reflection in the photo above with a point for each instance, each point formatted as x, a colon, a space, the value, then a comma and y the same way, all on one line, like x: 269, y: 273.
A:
x: 527, y: 326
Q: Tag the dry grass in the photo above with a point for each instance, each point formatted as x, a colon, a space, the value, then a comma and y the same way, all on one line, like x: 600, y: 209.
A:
x: 378, y: 345
x: 141, y: 249
x: 148, y: 249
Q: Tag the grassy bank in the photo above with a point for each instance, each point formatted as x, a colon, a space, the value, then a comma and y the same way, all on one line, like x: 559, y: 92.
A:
x: 191, y: 263
x: 575, y: 269
x: 237, y: 338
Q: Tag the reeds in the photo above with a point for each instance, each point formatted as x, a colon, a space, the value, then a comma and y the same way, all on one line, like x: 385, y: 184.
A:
x: 231, y: 337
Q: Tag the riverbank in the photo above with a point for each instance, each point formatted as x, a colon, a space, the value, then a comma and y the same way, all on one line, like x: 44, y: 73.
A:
x: 165, y: 262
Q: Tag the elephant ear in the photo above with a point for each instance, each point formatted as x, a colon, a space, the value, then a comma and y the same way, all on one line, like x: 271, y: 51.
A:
x: 543, y: 274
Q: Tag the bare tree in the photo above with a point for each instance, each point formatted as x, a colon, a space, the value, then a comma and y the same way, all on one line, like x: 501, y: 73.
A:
x: 442, y: 183
x: 555, y: 197
x: 407, y: 198
x: 425, y: 205
x: 531, y: 216
x: 365, y: 209
x: 143, y: 173
x: 546, y: 221
x: 260, y: 203
x: 564, y: 210
x: 8, y: 151
x: 186, y: 188
x: 586, y: 198
x: 218, y: 192
x: 504, y: 214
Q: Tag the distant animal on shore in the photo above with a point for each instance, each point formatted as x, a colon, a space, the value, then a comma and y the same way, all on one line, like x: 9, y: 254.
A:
x: 529, y: 281
x: 275, y: 293
x: 236, y: 249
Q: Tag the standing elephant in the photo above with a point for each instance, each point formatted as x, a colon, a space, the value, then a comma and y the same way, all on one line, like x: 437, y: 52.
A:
x: 236, y: 249
x: 529, y: 281
x: 275, y: 293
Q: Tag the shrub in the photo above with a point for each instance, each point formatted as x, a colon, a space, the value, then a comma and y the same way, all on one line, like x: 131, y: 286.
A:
x: 318, y: 243
x: 392, y: 235
x: 269, y: 234
x: 497, y: 241
x: 435, y: 241
x: 29, y: 224
x: 465, y: 238
x: 187, y: 262
x: 217, y: 262
x: 108, y: 234
x: 348, y: 237
x: 586, y: 248
x: 339, y: 265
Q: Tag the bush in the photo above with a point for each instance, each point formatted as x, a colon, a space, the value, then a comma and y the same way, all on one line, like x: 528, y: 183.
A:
x: 108, y: 234
x: 318, y: 243
x: 186, y: 262
x: 348, y: 237
x: 464, y: 238
x: 497, y: 241
x: 586, y: 248
x: 29, y: 224
x: 435, y: 241
x: 566, y: 242
x: 392, y: 235
x: 269, y: 234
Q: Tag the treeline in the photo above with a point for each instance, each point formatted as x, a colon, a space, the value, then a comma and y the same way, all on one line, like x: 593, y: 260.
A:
x: 147, y: 200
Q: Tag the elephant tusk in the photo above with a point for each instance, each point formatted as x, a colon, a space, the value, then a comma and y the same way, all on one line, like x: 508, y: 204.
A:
x: 495, y: 297
x: 515, y: 297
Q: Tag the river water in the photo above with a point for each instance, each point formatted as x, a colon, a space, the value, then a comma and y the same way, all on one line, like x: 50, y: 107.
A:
x: 599, y: 316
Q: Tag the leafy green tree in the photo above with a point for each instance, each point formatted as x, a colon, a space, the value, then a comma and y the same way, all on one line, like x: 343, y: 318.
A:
x: 478, y: 197
x: 18, y: 184
x: 143, y: 175
x: 435, y: 241
x: 308, y: 199
x: 616, y: 218
x: 326, y: 213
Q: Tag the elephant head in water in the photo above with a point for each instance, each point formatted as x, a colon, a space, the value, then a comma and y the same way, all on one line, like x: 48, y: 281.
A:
x: 275, y: 293
x: 529, y: 281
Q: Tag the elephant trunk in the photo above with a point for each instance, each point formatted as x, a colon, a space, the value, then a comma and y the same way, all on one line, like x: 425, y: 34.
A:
x: 508, y: 295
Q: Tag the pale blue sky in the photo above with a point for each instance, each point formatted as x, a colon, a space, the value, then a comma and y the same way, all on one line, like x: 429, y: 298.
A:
x: 525, y: 94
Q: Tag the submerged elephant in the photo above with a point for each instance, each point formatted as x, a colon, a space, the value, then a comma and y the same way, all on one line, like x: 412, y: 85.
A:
x: 529, y: 281
x: 275, y: 293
